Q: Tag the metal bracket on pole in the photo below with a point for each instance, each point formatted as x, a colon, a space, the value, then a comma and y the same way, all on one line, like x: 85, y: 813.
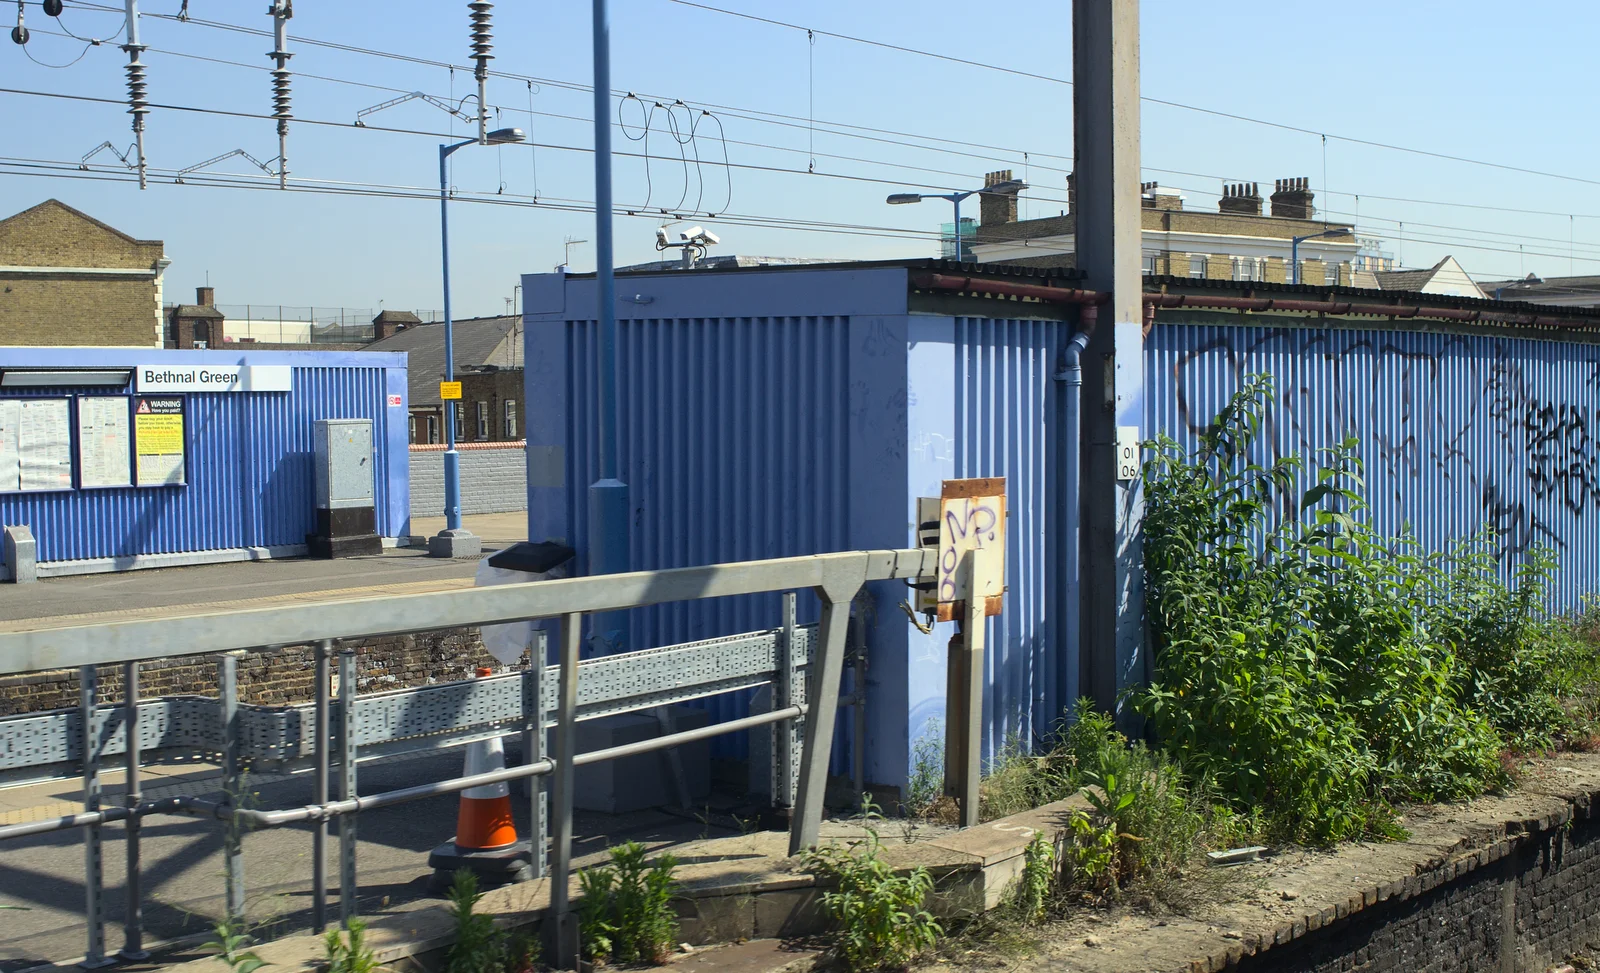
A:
x: 788, y: 690
x: 95, y: 955
x: 132, y: 922
x: 348, y: 891
x: 561, y: 931
x: 319, y: 784
x: 533, y: 750
x: 841, y: 580
x: 232, y: 784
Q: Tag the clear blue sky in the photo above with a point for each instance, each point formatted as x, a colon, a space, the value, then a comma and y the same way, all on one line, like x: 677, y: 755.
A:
x: 1473, y: 82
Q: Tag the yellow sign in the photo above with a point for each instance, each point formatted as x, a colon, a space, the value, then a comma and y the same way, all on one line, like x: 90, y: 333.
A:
x: 160, y: 435
x: 449, y: 390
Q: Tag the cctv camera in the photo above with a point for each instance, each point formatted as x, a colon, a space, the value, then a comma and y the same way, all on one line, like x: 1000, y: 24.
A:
x: 692, y: 234
x: 661, y: 237
x: 707, y: 237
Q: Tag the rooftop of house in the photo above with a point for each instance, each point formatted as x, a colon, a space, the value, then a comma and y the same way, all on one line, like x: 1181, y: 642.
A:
x: 478, y: 342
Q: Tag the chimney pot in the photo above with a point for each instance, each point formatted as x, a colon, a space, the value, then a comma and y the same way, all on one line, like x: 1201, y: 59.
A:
x: 1292, y: 198
x: 996, y: 208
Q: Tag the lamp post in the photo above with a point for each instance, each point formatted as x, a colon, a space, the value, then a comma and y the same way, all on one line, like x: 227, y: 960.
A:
x: 1009, y: 187
x: 1294, y: 246
x: 454, y: 540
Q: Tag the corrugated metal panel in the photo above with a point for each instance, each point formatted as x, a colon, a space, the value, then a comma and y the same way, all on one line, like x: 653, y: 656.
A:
x: 734, y: 448
x: 1007, y: 425
x: 1457, y: 432
x: 249, y: 472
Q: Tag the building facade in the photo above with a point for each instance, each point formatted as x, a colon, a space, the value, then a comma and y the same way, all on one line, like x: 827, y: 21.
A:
x: 484, y: 349
x: 1238, y: 242
x: 68, y: 279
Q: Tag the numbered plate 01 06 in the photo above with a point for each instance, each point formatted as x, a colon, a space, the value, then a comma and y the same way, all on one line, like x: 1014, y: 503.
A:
x: 972, y: 545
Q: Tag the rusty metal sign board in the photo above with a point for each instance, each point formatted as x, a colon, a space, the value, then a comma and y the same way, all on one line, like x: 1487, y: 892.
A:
x: 972, y: 545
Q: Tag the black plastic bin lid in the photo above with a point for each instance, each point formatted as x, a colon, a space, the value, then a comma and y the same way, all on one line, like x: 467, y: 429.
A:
x: 534, y: 558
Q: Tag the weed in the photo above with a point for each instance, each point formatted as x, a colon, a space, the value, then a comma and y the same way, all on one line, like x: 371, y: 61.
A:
x: 1031, y: 897
x: 626, y: 914
x: 478, y: 947
x: 350, y: 955
x: 878, y: 916
x: 232, y: 946
x: 522, y: 953
x: 926, y: 782
x: 1306, y: 665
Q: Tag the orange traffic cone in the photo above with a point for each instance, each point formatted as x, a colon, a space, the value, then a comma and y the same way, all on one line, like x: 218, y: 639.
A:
x: 486, y: 838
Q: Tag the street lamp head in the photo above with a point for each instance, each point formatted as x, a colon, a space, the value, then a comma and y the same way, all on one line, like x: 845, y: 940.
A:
x: 501, y: 136
x: 1009, y: 187
x: 897, y: 199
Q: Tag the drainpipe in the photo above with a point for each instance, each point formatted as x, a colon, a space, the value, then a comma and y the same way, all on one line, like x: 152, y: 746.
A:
x: 1067, y: 689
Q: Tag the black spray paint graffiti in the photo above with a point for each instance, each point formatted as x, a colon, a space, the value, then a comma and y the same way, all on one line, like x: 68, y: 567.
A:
x: 1451, y: 420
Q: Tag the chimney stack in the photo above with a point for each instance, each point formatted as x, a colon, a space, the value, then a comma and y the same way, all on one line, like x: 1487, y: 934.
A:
x: 995, y: 208
x: 1291, y: 198
x: 205, y: 296
x: 1072, y: 192
x: 1152, y: 196
x: 387, y: 323
x: 1242, y: 197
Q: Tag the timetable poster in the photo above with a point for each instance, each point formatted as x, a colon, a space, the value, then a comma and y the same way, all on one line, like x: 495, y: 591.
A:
x: 35, y: 445
x: 158, y: 438
x: 105, y: 442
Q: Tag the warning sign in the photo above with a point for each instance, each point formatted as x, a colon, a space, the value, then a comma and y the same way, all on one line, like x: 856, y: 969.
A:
x: 158, y: 436
x: 449, y: 390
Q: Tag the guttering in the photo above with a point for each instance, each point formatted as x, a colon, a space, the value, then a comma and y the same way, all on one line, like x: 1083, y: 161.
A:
x: 1006, y: 288
x: 1089, y: 298
x: 1153, y: 300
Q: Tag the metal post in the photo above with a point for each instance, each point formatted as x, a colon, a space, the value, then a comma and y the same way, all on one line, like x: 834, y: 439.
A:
x: 138, y: 100
x: 608, y: 496
x: 1294, y: 260
x: 976, y: 622
x: 533, y: 750
x: 1105, y: 67
x: 132, y: 922
x: 319, y: 829
x: 788, y: 690
x: 232, y: 783
x: 348, y: 891
x: 563, y: 932
x: 89, y: 743
x: 825, y: 668
x: 452, y: 468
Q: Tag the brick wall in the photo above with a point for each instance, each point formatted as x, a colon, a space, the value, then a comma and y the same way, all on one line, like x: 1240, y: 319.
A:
x: 272, y: 677
x: 53, y: 308
x: 494, y: 479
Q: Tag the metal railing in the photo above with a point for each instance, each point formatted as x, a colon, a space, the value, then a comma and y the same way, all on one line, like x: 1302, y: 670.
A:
x: 806, y: 707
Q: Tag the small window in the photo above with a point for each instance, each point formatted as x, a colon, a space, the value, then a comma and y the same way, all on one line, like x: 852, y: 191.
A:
x: 433, y: 429
x: 483, y: 421
x: 460, y: 411
x: 1197, y: 265
x: 511, y: 419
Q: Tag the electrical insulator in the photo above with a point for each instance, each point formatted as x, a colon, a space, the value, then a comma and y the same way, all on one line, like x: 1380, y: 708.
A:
x: 138, y: 91
x: 280, y: 93
x: 52, y: 8
x: 19, y: 33
x: 482, y: 34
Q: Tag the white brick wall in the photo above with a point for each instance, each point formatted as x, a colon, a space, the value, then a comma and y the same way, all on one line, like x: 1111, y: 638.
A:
x: 492, y: 481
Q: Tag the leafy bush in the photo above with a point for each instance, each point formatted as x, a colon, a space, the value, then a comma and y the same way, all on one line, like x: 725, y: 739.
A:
x: 1030, y: 897
x: 878, y: 916
x: 478, y: 947
x: 1307, y: 666
x: 626, y: 913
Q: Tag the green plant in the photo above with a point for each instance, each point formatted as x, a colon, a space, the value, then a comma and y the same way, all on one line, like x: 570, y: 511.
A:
x: 1090, y: 849
x: 352, y: 954
x: 626, y: 913
x: 478, y: 946
x: 926, y: 782
x: 522, y: 953
x: 232, y: 946
x: 1314, y: 669
x: 1032, y: 894
x: 878, y: 917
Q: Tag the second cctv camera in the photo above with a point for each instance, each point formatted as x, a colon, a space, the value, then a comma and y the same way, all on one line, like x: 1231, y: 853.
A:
x: 706, y: 236
x: 661, y: 236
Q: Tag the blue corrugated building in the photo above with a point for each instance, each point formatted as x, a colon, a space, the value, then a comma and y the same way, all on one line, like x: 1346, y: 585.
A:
x: 118, y: 458
x: 770, y: 412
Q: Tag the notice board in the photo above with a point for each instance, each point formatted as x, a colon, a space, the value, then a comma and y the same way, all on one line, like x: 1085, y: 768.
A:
x: 105, y: 442
x: 158, y: 436
x: 35, y: 445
